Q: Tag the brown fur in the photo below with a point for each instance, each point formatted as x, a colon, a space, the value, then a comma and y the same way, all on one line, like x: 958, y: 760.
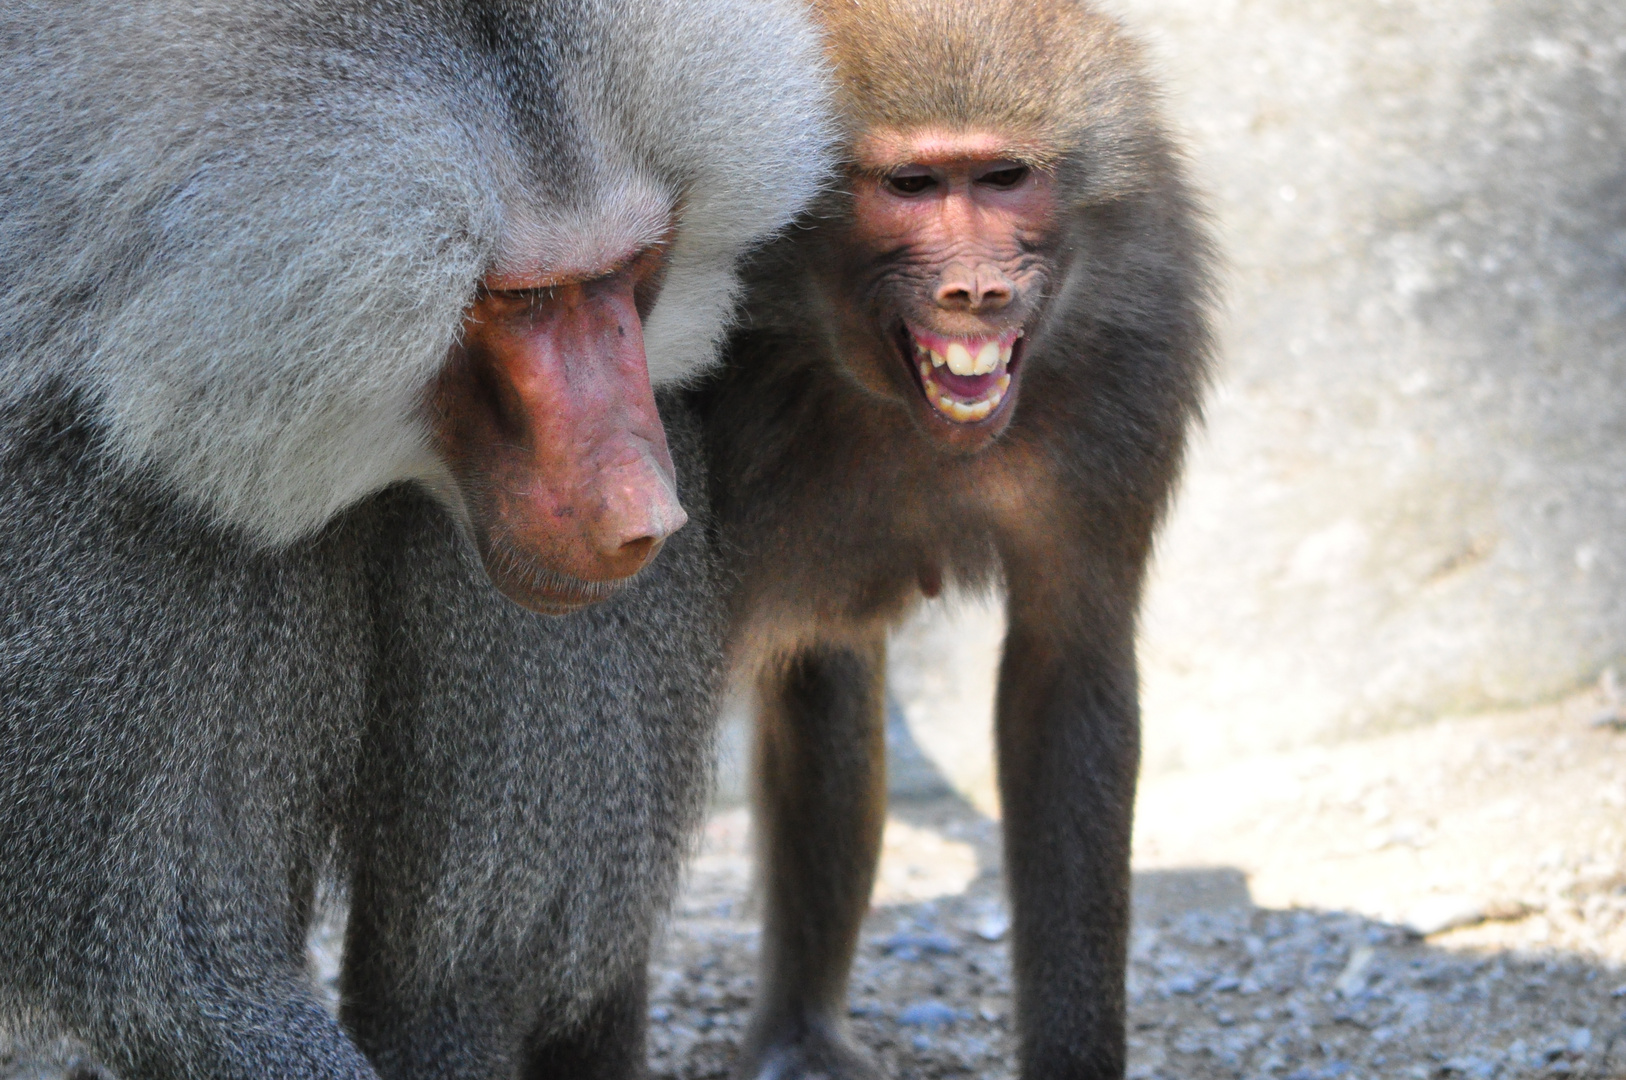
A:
x: 1061, y: 81
x: 843, y: 499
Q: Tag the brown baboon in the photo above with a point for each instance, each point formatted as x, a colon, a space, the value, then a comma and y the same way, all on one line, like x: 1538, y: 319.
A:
x: 974, y: 364
x: 260, y: 261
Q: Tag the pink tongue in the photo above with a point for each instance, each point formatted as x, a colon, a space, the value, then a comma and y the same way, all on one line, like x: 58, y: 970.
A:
x: 965, y: 386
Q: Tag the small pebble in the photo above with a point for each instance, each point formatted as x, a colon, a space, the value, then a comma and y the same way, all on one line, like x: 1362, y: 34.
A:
x: 993, y: 926
x: 927, y: 1014
x: 920, y: 944
x: 1182, y: 984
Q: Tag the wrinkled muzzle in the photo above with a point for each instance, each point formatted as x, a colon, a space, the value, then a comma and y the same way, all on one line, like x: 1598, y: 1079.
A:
x: 547, y: 418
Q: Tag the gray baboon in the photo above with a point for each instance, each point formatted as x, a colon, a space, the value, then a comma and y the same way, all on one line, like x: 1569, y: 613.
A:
x: 259, y: 262
x: 977, y: 362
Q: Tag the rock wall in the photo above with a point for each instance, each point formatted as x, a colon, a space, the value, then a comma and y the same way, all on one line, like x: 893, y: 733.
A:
x: 1411, y: 497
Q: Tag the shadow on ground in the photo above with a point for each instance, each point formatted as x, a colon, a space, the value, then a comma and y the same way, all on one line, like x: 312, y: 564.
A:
x: 1218, y: 987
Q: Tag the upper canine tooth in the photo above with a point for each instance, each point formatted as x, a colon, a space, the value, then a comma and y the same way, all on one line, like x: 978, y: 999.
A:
x: 1005, y: 353
x: 987, y: 358
x: 937, y: 359
x: 959, y: 359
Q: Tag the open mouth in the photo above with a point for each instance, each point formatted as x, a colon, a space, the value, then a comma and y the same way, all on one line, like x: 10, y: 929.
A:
x: 965, y: 379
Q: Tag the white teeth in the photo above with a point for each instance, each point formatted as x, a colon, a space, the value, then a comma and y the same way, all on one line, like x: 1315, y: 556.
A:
x: 965, y: 414
x: 959, y: 359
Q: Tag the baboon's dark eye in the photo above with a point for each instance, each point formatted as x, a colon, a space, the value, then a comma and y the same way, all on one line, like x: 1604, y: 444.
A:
x: 1005, y: 178
x: 910, y: 183
x: 531, y: 302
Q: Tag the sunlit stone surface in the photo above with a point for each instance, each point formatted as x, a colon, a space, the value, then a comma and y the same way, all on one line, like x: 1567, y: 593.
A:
x: 1411, y: 499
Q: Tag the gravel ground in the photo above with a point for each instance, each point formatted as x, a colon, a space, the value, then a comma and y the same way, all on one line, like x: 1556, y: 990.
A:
x: 1446, y: 902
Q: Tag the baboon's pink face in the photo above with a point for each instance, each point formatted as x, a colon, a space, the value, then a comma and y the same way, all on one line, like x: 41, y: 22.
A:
x: 949, y: 241
x: 545, y: 414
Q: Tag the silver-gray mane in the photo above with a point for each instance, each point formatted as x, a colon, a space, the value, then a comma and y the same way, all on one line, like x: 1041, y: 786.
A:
x: 241, y: 234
